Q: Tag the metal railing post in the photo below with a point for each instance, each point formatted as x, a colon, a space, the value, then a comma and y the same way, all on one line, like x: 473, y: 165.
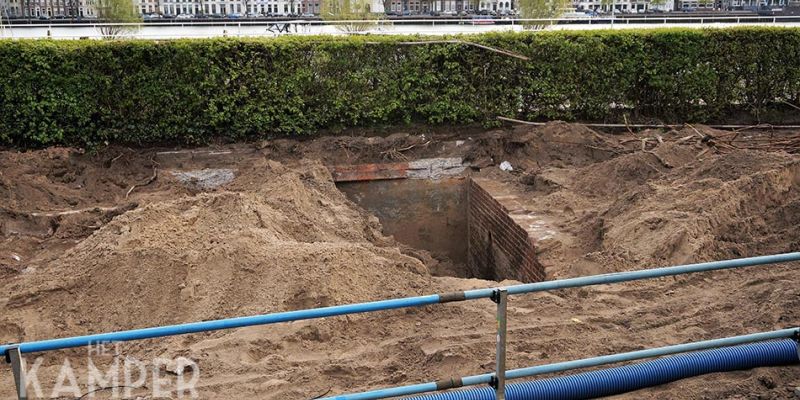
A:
x: 14, y: 357
x: 500, y: 296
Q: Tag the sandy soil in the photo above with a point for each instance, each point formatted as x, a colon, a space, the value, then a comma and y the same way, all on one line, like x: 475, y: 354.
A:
x: 114, y: 240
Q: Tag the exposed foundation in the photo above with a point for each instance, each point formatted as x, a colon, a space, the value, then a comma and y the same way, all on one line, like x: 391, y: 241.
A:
x: 422, y: 213
x: 498, y: 248
x: 433, y: 205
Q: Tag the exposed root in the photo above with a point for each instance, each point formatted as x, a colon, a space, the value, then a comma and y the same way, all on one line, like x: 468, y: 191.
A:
x: 393, y: 155
x: 108, y: 210
x: 397, y: 154
x: 658, y: 157
x: 628, y: 127
x: 147, y: 182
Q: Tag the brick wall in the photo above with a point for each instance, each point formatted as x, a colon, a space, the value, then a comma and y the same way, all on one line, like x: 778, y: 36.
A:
x: 498, y: 247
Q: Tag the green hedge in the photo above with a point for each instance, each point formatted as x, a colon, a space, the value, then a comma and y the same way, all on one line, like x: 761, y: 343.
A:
x: 90, y: 92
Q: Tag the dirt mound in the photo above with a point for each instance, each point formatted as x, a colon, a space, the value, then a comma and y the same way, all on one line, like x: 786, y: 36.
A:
x: 51, y: 199
x: 737, y: 164
x: 62, y: 179
x: 556, y: 144
x: 668, y: 206
x: 291, y: 242
x: 706, y: 214
x: 616, y: 176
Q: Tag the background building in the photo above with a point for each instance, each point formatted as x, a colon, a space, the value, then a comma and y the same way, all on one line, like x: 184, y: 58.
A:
x: 421, y: 6
x: 47, y: 8
x: 622, y: 6
x: 84, y: 8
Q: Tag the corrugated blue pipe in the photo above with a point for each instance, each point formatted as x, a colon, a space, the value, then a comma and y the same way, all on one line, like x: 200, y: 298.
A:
x: 606, y: 382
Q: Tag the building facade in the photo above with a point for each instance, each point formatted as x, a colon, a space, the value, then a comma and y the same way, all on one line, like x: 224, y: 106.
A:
x: 426, y: 6
x: 226, y: 7
x: 622, y: 6
x: 86, y: 9
x: 219, y: 7
x: 47, y: 8
x: 733, y: 4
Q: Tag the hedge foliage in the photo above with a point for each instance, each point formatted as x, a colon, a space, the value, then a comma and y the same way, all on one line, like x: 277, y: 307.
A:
x: 90, y: 92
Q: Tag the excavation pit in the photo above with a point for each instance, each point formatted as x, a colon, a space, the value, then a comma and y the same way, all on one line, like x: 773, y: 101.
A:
x: 82, y: 253
x: 434, y: 205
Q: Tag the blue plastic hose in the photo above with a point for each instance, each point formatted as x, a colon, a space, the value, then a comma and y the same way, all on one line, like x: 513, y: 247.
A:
x: 606, y: 382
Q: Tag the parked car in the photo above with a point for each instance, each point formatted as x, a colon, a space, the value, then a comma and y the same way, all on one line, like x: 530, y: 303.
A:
x: 252, y: 15
x: 575, y: 15
x: 234, y: 16
x: 769, y: 11
x: 184, y: 16
x: 482, y: 20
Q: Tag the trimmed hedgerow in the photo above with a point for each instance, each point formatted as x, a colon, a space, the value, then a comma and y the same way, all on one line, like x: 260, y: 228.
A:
x: 189, y: 91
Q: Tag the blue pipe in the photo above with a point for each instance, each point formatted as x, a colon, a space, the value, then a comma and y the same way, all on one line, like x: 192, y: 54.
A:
x: 606, y: 382
x: 194, y: 327
x: 576, y: 364
x: 637, y: 275
x: 230, y: 323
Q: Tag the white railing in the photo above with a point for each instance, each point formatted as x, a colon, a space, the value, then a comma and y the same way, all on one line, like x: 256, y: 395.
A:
x: 203, y: 29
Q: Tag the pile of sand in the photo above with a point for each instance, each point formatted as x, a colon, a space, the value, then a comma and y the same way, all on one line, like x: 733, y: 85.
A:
x: 622, y: 207
x: 556, y: 145
x: 290, y: 241
x: 725, y: 207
